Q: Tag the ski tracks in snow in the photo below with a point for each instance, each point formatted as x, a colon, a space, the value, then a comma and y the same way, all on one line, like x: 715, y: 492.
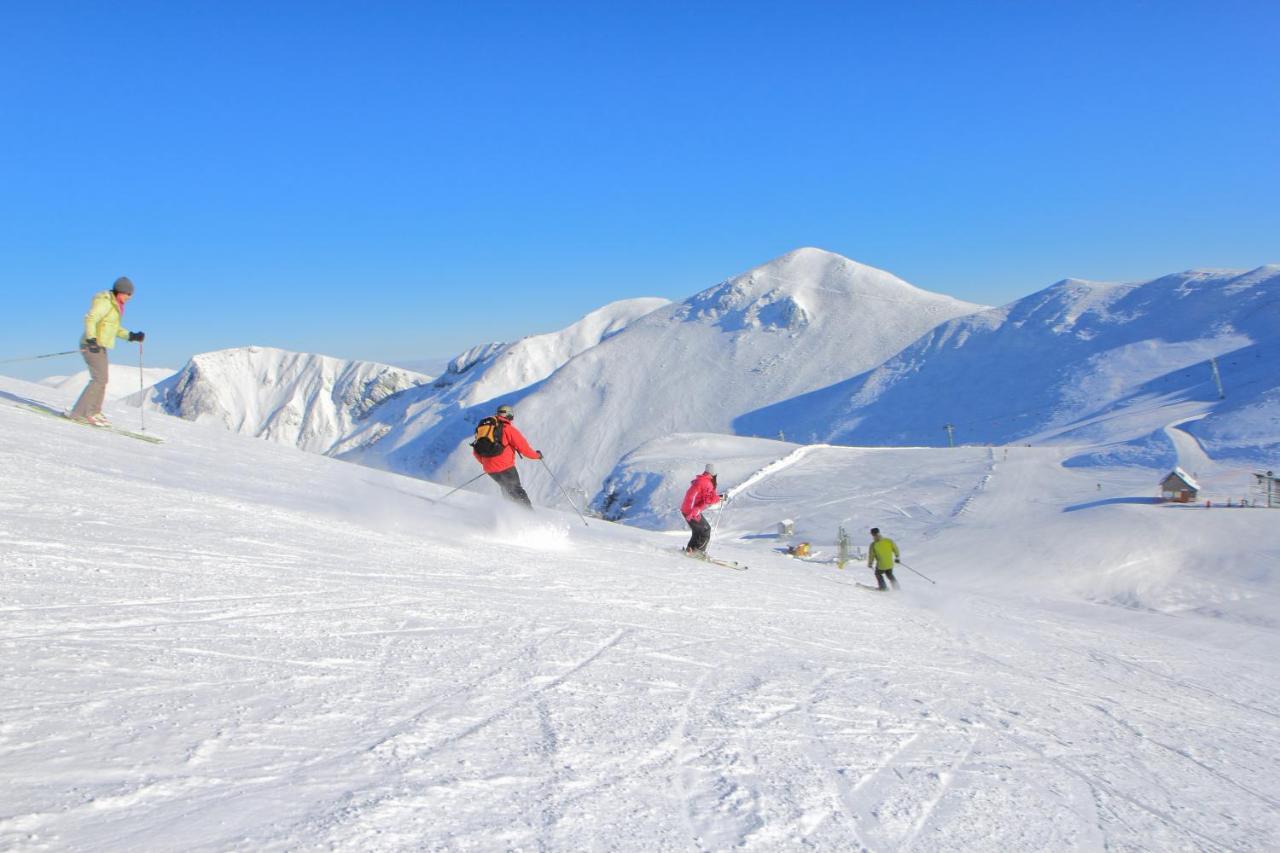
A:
x: 190, y: 670
x: 795, y: 457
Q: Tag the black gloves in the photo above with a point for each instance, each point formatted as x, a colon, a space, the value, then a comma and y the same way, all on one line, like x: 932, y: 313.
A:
x: 539, y: 456
x: 137, y: 336
x: 91, y: 344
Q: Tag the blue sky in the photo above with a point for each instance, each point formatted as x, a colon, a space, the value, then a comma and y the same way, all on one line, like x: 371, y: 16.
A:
x: 398, y: 180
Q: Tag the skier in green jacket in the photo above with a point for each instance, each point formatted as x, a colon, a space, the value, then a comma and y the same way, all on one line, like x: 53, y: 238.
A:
x: 101, y: 329
x: 882, y: 554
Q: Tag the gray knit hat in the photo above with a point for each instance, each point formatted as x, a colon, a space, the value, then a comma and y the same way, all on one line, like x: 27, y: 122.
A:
x: 710, y: 469
x: 123, y: 285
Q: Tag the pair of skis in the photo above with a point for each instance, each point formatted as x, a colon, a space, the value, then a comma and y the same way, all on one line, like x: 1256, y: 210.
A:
x: 705, y: 558
x: 740, y: 567
x: 859, y: 584
x: 62, y: 416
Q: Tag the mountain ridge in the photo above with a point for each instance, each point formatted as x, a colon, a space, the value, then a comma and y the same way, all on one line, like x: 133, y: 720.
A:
x: 780, y: 328
x: 309, y: 399
x: 818, y: 347
x: 1043, y: 361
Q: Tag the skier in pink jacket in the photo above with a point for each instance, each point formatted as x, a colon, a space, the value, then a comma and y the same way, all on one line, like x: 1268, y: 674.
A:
x: 702, y: 494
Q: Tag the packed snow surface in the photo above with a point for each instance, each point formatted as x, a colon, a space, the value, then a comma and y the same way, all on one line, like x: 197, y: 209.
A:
x: 224, y: 644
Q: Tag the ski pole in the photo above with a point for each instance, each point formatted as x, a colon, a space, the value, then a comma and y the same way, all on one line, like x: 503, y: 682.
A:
x: 926, y: 577
x: 562, y: 491
x: 142, y: 400
x: 35, y: 357
x: 723, y: 506
x: 463, y: 486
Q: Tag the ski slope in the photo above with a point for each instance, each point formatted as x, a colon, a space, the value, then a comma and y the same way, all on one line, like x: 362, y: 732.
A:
x: 223, y: 644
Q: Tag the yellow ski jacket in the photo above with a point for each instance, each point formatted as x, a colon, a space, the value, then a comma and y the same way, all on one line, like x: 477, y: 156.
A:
x: 882, y: 553
x: 103, y: 321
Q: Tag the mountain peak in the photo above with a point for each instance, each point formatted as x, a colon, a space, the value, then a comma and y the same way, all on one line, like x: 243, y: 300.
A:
x: 812, y: 253
x: 810, y: 260
x: 804, y: 285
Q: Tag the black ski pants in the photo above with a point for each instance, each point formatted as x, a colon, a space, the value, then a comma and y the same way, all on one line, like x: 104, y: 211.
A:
x: 701, y: 537
x: 888, y: 573
x: 509, y: 480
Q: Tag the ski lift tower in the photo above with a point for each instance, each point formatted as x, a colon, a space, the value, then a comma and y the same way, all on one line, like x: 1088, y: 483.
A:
x: 1267, y: 490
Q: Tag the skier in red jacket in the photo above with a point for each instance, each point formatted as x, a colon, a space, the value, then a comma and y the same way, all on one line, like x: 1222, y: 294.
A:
x: 702, y: 494
x: 496, y: 451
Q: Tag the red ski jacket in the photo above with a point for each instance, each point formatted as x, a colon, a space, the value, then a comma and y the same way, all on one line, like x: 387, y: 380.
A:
x: 512, y: 442
x: 701, y: 494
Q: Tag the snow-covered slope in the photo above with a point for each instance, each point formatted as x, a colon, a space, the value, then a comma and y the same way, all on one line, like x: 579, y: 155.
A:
x: 790, y: 326
x: 648, y: 484
x: 491, y: 370
x: 981, y: 504
x: 220, y: 643
x: 307, y: 401
x: 1080, y: 362
x: 123, y: 380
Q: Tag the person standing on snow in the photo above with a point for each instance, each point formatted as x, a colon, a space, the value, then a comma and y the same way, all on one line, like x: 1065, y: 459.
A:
x: 101, y: 328
x: 495, y: 448
x: 882, y: 554
x: 702, y: 494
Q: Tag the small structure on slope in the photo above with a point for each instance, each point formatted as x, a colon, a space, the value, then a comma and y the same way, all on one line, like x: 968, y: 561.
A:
x: 1267, y: 490
x: 1179, y: 487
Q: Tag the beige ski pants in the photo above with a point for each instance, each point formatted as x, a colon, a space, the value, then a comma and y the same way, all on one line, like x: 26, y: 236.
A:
x: 90, y: 402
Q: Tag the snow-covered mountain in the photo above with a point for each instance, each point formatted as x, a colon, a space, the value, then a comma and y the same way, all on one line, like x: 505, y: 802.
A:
x: 1078, y: 362
x: 321, y: 404
x: 308, y: 401
x: 815, y: 347
x: 790, y: 326
x: 491, y: 370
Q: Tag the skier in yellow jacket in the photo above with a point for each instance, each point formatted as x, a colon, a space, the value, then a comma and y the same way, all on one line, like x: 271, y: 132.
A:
x: 101, y: 329
x: 882, y: 554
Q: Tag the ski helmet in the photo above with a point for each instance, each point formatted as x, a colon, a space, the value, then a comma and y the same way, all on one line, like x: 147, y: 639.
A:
x: 123, y: 285
x: 507, y: 412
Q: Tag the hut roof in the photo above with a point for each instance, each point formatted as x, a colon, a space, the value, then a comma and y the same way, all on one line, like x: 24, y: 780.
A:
x: 1184, y: 477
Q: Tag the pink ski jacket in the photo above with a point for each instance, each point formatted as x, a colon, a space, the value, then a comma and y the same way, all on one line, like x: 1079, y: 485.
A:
x: 701, y: 494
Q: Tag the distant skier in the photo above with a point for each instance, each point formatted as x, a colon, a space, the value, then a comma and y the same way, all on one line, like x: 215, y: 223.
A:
x: 495, y: 447
x: 882, y: 554
x: 702, y: 494
x: 101, y: 328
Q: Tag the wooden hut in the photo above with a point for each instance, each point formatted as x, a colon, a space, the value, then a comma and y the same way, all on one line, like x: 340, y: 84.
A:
x: 1179, y: 487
